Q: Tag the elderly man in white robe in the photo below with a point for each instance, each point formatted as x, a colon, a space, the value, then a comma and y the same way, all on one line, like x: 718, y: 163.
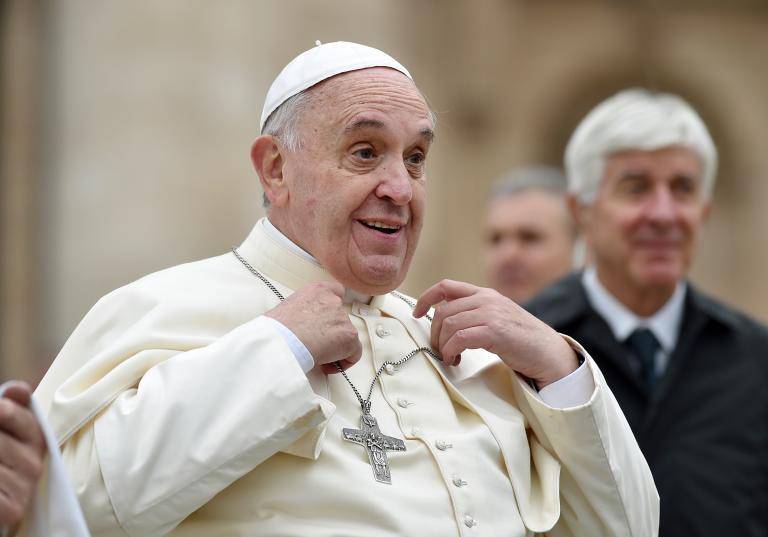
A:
x: 285, y: 387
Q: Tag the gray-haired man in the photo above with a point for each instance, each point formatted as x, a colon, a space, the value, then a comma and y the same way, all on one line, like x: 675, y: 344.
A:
x: 689, y: 372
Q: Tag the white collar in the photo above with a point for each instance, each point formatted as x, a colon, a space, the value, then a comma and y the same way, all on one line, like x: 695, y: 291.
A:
x: 277, y: 235
x: 665, y: 323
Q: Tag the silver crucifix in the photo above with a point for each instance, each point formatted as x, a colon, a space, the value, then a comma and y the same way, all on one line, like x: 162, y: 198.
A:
x: 376, y: 444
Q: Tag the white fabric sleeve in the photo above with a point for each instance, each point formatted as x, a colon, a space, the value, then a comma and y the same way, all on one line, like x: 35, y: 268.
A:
x: 570, y: 391
x: 196, y: 422
x: 605, y: 485
x: 300, y: 351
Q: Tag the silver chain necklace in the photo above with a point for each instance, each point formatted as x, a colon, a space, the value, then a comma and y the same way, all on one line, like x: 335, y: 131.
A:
x: 369, y: 436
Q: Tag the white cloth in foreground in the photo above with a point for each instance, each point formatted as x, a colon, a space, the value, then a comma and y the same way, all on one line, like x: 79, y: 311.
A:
x: 54, y: 511
x: 181, y: 410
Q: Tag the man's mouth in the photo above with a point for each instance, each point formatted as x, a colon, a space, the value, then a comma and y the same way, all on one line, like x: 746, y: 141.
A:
x: 383, y: 227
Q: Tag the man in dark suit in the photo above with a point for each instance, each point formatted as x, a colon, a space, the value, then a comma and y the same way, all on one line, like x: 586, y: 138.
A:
x: 689, y: 372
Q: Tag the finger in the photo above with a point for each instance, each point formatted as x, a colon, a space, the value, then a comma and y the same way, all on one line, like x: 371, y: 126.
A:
x: 459, y: 321
x: 14, y: 495
x: 356, y: 354
x: 447, y: 309
x: 20, y: 458
x: 331, y: 369
x: 19, y: 422
x: 454, y: 361
x: 336, y: 288
x: 443, y: 290
x: 476, y: 337
x: 20, y: 392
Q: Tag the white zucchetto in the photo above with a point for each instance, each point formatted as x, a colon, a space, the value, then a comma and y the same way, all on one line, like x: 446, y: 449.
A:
x: 321, y: 62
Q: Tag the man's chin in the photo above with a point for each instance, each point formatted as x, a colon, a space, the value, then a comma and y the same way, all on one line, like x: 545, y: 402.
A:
x: 379, y: 274
x: 662, y: 275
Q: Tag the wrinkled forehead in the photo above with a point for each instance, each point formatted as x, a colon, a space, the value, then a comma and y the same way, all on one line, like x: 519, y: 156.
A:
x: 378, y: 91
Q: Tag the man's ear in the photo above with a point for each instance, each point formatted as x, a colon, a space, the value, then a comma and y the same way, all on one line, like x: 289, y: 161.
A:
x: 267, y: 159
x: 578, y: 211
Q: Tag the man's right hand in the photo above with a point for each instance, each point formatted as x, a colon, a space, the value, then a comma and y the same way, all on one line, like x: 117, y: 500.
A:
x: 316, y: 316
x: 22, y: 448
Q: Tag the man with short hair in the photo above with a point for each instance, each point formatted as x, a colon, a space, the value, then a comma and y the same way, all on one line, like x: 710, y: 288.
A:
x: 530, y: 234
x: 286, y: 388
x: 688, y: 371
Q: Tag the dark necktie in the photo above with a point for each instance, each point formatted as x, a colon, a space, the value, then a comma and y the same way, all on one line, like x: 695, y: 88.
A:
x: 645, y: 345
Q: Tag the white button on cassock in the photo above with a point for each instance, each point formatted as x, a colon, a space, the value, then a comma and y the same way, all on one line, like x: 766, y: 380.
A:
x: 403, y: 403
x: 381, y: 331
x: 459, y: 482
x: 442, y: 445
x: 470, y: 522
x: 390, y: 369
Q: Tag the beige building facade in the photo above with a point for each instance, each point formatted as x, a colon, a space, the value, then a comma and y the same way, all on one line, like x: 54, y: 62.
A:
x: 126, y: 129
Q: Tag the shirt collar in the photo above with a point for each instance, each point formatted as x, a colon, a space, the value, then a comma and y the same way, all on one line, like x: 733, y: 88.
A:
x: 665, y: 323
x: 278, y: 236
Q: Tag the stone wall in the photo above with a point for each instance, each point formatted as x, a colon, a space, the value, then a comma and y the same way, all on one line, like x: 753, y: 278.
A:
x: 147, y: 110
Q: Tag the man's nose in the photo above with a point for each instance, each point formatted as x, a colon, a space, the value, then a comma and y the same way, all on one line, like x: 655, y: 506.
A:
x: 510, y: 250
x: 396, y: 184
x: 662, y: 206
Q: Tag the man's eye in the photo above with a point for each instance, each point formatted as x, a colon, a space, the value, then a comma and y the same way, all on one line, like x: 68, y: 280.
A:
x: 634, y: 187
x: 684, y: 186
x: 530, y: 237
x: 365, y: 153
x: 416, y: 159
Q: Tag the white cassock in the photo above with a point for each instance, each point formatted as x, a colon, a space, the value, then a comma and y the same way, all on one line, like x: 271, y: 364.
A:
x: 181, y: 410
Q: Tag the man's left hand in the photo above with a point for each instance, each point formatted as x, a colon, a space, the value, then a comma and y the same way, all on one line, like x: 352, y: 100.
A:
x: 471, y: 317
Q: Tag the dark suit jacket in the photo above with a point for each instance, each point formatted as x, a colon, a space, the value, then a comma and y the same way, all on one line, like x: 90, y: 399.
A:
x: 704, y: 430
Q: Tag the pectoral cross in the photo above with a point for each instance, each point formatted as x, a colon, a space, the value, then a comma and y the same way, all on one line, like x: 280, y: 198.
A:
x: 376, y: 444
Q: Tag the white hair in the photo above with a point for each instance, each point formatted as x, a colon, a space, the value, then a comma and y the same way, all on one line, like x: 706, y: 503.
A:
x: 635, y: 119
x: 283, y: 124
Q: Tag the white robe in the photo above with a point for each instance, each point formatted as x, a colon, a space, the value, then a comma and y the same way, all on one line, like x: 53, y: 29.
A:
x: 180, y: 409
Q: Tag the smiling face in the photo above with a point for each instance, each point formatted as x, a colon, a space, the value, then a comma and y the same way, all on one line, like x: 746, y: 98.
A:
x: 644, y: 225
x: 356, y: 190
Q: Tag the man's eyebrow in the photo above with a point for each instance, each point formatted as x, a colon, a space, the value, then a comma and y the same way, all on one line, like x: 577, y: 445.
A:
x: 633, y: 174
x: 427, y: 134
x: 364, y: 123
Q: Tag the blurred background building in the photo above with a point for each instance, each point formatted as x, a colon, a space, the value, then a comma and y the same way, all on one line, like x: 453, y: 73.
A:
x: 125, y: 128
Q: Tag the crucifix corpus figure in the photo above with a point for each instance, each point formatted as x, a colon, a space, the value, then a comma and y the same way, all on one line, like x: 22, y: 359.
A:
x: 376, y: 444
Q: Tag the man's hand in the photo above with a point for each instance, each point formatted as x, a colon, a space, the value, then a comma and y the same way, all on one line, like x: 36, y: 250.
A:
x: 316, y: 316
x: 22, y: 448
x: 470, y: 317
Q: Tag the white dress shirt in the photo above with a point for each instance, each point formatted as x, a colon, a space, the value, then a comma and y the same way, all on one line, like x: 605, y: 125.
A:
x: 665, y: 323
